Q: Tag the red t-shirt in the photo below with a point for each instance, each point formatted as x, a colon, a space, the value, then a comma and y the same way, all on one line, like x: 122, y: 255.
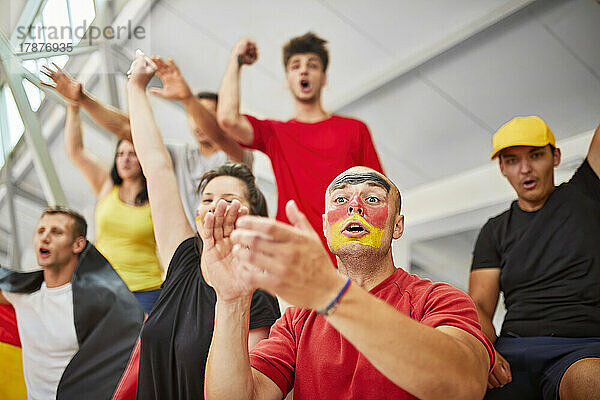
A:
x: 305, y: 352
x: 307, y: 156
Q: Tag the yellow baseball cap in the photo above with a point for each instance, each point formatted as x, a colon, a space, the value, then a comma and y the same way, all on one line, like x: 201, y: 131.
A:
x: 522, y: 131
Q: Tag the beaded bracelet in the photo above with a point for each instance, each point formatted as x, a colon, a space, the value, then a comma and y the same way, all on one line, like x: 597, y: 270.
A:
x: 331, y: 306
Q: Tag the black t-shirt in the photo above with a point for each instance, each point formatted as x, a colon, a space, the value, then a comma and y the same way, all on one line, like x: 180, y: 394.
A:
x: 176, y: 336
x: 549, y: 260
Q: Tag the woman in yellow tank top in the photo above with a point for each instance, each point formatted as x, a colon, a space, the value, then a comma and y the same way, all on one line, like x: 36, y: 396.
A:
x: 124, y: 232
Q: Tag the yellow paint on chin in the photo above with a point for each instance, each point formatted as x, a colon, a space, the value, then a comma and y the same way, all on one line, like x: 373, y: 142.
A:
x: 373, y: 238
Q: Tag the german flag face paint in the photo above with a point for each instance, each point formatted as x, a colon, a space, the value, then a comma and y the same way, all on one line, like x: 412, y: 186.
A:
x: 355, y: 229
x: 357, y: 214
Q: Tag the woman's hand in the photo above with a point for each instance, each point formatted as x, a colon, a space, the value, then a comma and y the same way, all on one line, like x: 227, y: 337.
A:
x: 142, y: 70
x: 220, y: 269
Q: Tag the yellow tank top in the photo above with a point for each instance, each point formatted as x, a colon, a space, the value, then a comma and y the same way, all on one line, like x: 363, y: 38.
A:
x: 125, y: 236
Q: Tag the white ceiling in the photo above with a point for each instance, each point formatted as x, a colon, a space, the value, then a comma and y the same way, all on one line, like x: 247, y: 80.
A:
x: 432, y: 79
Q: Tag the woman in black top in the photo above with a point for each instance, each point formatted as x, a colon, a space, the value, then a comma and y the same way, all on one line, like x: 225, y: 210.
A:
x: 177, y: 335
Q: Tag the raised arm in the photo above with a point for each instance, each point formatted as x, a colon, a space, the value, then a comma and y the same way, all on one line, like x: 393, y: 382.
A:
x: 171, y: 226
x: 110, y: 118
x: 176, y: 88
x: 430, y: 363
x: 593, y: 155
x: 233, y: 123
x: 92, y: 169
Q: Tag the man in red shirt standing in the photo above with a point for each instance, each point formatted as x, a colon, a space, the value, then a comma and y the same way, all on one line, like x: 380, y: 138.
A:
x: 308, y: 151
x: 364, y: 331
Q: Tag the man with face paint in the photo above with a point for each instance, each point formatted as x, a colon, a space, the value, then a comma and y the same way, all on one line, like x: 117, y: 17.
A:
x: 366, y: 330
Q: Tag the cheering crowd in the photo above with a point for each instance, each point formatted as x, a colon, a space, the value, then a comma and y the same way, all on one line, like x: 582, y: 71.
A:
x: 177, y: 297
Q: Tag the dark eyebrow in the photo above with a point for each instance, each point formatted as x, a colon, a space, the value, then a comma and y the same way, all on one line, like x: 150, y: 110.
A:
x: 355, y: 179
x: 536, y: 149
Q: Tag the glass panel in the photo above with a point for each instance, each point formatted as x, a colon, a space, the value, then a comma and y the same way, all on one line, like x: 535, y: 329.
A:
x: 56, y: 22
x: 15, y: 124
x: 37, y: 33
x: 34, y: 95
x: 31, y: 66
x: 83, y: 13
x: 61, y: 61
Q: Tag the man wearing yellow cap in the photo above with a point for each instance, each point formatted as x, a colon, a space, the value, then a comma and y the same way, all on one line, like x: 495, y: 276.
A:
x: 544, y: 255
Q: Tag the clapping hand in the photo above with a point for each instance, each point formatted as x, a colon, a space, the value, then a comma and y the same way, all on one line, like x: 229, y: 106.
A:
x: 219, y: 267
x: 288, y: 261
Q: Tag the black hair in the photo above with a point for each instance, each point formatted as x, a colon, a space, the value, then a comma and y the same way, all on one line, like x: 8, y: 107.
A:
x: 142, y: 196
x: 552, y: 148
x: 307, y: 43
x: 355, y: 178
x: 79, y: 223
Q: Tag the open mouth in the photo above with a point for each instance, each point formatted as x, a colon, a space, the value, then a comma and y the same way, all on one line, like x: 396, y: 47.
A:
x: 304, y: 84
x: 354, y: 229
x: 529, y: 184
x: 44, y: 252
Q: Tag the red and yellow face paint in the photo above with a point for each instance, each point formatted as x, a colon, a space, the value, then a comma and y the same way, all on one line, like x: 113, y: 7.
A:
x: 348, y: 225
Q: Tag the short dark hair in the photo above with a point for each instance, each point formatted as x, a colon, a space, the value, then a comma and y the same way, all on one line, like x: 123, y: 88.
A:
x: 79, y: 224
x: 208, y: 96
x: 552, y: 148
x: 142, y: 196
x: 258, y: 204
x: 307, y: 43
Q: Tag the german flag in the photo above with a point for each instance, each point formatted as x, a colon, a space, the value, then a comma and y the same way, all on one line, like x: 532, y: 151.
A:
x: 107, y: 319
x: 12, y: 381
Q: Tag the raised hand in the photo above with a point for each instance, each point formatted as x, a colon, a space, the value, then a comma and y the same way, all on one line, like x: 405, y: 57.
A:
x: 288, y: 261
x: 67, y: 87
x: 142, y: 70
x: 174, y: 85
x: 501, y: 374
x: 245, y: 51
x: 219, y: 267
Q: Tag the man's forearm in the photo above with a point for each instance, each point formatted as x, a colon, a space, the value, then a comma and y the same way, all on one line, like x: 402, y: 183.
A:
x: 228, y: 108
x: 73, y: 134
x: 424, y: 361
x: 487, y: 326
x: 207, y: 122
x: 228, y: 373
x: 113, y: 120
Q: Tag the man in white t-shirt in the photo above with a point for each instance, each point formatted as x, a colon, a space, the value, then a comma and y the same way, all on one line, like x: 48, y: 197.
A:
x: 65, y: 307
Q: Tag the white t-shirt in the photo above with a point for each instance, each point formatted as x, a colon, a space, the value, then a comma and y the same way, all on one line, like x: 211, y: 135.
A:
x: 48, y: 338
x: 189, y: 166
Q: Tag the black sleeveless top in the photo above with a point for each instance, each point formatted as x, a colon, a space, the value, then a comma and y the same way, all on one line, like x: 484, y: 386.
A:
x: 176, y: 336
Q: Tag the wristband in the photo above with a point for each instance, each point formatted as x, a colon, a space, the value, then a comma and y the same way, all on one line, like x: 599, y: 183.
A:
x: 331, y: 306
